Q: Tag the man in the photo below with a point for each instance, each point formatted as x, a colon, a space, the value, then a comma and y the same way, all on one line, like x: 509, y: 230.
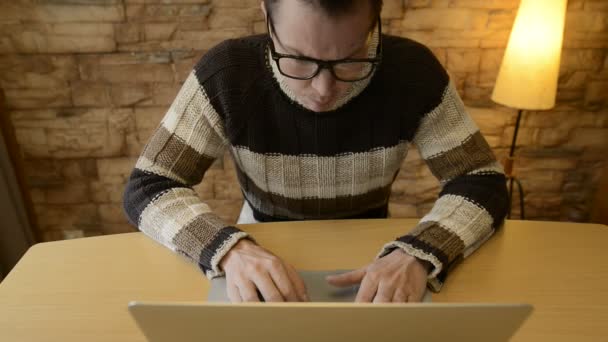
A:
x: 318, y: 116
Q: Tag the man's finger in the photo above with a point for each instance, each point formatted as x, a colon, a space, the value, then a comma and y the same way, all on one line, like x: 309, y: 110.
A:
x: 282, y: 281
x: 416, y: 296
x: 346, y: 279
x: 233, y: 292
x: 267, y: 288
x: 385, y: 293
x: 367, y: 291
x: 400, y: 296
x: 298, y: 283
x: 248, y: 291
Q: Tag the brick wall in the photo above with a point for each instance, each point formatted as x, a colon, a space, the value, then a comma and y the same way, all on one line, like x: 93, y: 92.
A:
x: 87, y: 81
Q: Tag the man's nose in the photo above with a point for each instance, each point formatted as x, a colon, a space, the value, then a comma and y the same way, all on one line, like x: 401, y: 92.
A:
x: 324, y: 83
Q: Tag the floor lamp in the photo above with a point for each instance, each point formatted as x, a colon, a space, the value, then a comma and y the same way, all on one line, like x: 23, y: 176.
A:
x: 528, y: 75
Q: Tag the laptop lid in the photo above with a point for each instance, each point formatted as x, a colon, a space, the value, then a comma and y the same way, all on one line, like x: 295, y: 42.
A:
x: 320, y: 322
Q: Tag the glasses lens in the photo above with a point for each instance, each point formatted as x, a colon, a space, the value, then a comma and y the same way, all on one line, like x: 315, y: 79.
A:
x: 297, y: 68
x: 353, y: 71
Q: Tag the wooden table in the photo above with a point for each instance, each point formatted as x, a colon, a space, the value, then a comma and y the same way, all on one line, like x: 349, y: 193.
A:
x: 78, y: 290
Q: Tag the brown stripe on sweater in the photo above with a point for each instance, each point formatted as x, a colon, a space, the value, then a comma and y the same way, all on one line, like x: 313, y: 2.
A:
x: 472, y: 154
x: 170, y: 152
x: 312, y: 208
x: 433, y: 234
x: 195, y: 236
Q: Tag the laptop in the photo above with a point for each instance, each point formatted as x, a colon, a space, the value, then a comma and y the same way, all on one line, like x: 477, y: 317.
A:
x: 331, y: 315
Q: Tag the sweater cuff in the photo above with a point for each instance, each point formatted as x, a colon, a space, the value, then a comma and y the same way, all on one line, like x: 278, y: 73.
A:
x: 430, y: 242
x: 223, y: 241
x: 432, y: 281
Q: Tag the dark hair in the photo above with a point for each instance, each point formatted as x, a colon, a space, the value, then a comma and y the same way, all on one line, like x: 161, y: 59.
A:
x: 332, y: 7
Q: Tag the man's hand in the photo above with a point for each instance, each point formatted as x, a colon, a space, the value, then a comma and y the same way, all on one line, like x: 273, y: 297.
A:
x: 250, y: 268
x: 396, y: 277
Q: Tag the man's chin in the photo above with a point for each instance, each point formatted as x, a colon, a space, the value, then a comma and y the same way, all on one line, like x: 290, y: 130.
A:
x: 318, y: 107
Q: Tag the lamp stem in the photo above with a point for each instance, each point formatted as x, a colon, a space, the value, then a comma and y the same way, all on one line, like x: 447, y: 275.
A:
x: 513, y: 143
x: 510, y: 170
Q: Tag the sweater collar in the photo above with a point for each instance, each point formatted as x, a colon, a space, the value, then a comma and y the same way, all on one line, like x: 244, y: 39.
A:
x: 353, y: 90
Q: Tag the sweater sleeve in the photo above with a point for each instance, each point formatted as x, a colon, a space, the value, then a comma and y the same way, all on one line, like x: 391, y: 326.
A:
x: 473, y: 201
x: 159, y: 198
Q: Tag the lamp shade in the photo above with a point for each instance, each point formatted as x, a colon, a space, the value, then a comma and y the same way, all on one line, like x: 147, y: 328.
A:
x: 530, y: 67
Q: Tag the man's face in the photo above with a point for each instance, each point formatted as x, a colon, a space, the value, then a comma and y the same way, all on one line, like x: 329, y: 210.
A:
x: 305, y: 30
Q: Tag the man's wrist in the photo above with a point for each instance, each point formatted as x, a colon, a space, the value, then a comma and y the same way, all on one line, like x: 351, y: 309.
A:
x: 239, y: 245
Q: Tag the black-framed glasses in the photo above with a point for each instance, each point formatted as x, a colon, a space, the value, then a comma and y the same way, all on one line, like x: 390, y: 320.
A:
x: 345, y: 70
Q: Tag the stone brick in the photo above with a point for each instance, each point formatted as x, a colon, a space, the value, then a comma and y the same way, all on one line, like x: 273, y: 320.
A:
x: 143, y: 94
x: 78, y: 133
x: 70, y: 192
x: 595, y: 21
x: 59, y: 38
x: 597, y: 94
x: 592, y: 5
x: 43, y: 173
x: 127, y: 68
x: 541, y: 181
x: 525, y: 136
x: 488, y: 4
x: 66, y: 217
x: 229, y: 3
x: 107, y: 191
x: 575, y: 5
x: 491, y: 59
x: 552, y: 137
x: 582, y: 59
x: 162, y: 12
x: 234, y: 17
x: 590, y: 138
x: 477, y: 95
x: 527, y: 163
x: 117, y: 228
x: 63, y: 10
x: 573, y: 80
x: 491, y: 121
x: 561, y: 119
x: 441, y: 38
x: 109, y: 168
x: 418, y: 3
x: 463, y: 60
x: 495, y: 39
x: 113, y: 176
x: 392, y: 9
x: 501, y: 19
x: 90, y: 94
x: 585, y: 40
x: 159, y: 31
x: 128, y: 32
x: 217, y: 3
x: 188, y: 40
x: 148, y: 119
x: 37, y: 71
x: 38, y: 98
x: 448, y: 18
x: 112, y: 213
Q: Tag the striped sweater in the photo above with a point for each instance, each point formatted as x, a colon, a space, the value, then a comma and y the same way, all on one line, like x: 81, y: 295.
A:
x: 295, y: 164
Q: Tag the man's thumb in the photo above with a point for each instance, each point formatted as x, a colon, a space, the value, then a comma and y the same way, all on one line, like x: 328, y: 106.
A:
x: 346, y: 279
